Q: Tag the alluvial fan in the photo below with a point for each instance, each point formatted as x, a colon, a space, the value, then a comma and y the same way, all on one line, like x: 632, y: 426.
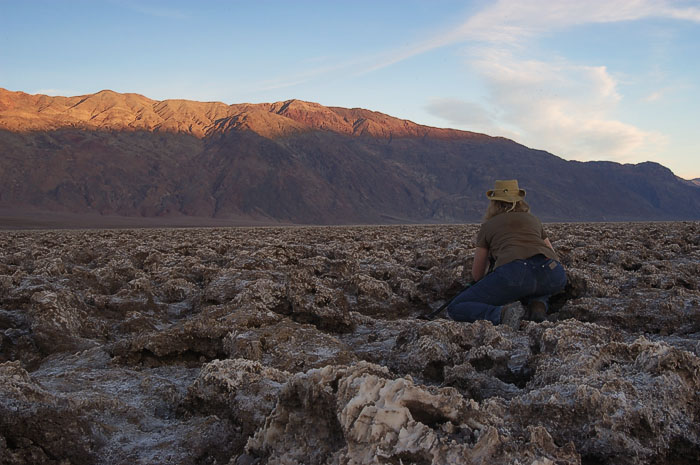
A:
x: 301, y: 346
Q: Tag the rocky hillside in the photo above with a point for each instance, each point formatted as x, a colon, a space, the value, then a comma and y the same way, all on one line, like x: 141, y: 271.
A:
x: 294, y: 162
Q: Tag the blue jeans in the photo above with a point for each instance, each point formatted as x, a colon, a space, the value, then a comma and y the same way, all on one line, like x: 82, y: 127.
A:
x: 535, y: 278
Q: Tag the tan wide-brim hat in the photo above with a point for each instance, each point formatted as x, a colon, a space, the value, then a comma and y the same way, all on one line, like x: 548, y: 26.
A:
x: 506, y: 191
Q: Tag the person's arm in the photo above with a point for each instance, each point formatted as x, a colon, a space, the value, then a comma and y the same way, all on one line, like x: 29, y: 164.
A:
x: 549, y: 244
x: 481, y: 263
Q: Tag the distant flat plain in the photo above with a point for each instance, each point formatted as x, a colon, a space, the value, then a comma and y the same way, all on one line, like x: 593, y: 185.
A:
x: 18, y: 219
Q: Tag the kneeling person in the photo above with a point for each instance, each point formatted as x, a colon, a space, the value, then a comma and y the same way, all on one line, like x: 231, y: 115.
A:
x: 526, y: 268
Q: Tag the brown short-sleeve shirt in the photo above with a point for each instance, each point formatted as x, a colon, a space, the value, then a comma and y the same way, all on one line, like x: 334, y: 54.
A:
x: 512, y: 236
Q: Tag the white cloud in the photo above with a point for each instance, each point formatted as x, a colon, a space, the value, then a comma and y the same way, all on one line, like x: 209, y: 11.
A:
x: 688, y: 14
x: 514, y: 21
x: 562, y: 107
x: 510, y: 21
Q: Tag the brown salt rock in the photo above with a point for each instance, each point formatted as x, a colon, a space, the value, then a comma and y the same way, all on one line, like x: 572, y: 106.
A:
x: 394, y: 297
x: 312, y: 300
x: 229, y: 283
x: 134, y: 409
x: 136, y: 296
x: 242, y: 390
x: 6, y: 283
x: 288, y: 346
x: 16, y: 339
x: 59, y: 322
x: 41, y: 428
x: 617, y: 402
x: 437, y: 349
x: 191, y: 341
x: 177, y: 290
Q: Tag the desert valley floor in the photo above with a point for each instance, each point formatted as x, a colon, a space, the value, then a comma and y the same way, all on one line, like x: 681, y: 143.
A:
x: 301, y: 345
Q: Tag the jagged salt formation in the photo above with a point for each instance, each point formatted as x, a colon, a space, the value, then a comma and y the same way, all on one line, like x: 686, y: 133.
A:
x: 300, y: 346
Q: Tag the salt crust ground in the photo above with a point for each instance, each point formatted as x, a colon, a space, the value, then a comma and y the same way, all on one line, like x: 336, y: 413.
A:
x: 301, y: 346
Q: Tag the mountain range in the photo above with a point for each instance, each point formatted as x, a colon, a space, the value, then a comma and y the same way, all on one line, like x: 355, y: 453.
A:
x: 111, y: 154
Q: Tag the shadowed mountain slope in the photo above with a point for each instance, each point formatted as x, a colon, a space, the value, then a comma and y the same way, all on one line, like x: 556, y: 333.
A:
x: 299, y: 162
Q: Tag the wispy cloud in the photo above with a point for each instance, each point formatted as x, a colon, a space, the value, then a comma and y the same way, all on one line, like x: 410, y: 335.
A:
x: 564, y: 107
x: 512, y: 22
x: 304, y: 76
x: 354, y: 66
x: 655, y: 96
x: 507, y: 22
x: 561, y: 106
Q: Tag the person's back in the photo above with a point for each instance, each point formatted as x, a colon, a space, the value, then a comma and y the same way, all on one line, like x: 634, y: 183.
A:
x: 514, y: 235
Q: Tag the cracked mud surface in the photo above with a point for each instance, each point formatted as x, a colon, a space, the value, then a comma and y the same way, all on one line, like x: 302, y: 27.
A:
x: 301, y: 346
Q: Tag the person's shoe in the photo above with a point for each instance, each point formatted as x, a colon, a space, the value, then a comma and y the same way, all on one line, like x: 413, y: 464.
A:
x: 536, y: 311
x: 511, y: 314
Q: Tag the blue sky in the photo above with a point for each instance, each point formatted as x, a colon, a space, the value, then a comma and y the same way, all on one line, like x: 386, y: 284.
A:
x: 596, y: 80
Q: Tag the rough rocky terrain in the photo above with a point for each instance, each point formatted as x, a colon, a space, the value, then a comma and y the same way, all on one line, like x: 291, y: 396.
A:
x: 301, y: 346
